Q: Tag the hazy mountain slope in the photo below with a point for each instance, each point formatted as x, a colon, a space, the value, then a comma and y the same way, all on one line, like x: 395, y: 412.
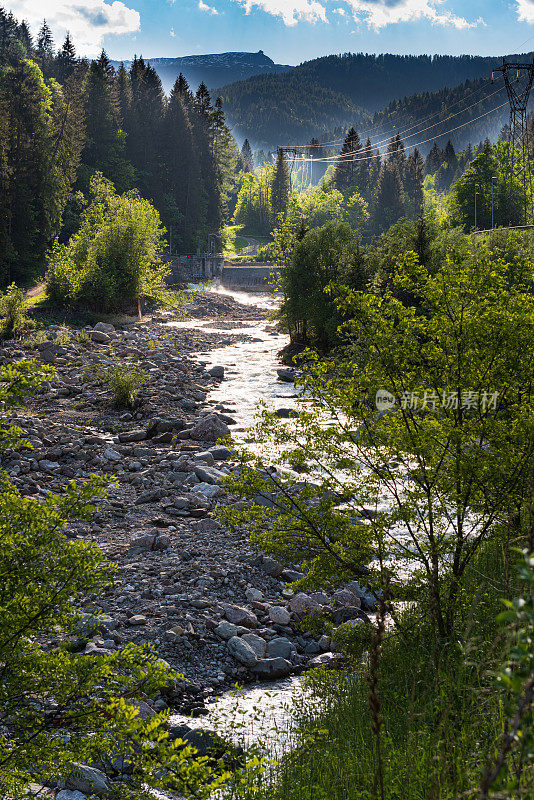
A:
x: 214, y: 69
x: 364, y: 81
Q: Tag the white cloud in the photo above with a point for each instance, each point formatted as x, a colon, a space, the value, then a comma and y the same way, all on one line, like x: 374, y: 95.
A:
x: 340, y: 11
x: 291, y: 11
x: 379, y: 13
x: 204, y: 7
x: 525, y: 10
x: 88, y: 21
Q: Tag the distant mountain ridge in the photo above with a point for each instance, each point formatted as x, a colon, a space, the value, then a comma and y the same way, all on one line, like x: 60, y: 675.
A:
x: 359, y: 81
x: 215, y: 69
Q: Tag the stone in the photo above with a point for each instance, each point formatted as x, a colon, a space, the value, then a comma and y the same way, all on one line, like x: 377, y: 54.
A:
x: 99, y: 336
x: 346, y: 613
x: 87, y: 780
x: 346, y: 597
x: 279, y: 615
x: 106, y: 327
x: 209, y: 429
x: 292, y: 575
x: 272, y: 567
x: 226, y: 630
x: 67, y: 794
x: 242, y: 652
x: 137, y: 619
x: 280, y: 647
x: 254, y: 595
x: 303, y: 604
x: 209, y: 474
x: 216, y: 372
x: 256, y: 642
x: 112, y: 455
x: 209, y: 490
x: 132, y: 436
x: 327, y: 659
x: 240, y: 616
x: 368, y: 600
x: 271, y: 668
x: 286, y: 375
x: 220, y: 453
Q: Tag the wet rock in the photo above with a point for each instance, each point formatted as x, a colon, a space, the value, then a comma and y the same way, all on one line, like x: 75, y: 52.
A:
x: 209, y: 429
x: 242, y: 651
x: 271, y: 668
x: 286, y: 375
x: 216, y: 372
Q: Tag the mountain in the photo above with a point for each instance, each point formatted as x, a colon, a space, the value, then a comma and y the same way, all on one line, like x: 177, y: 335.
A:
x: 215, y: 70
x: 367, y: 83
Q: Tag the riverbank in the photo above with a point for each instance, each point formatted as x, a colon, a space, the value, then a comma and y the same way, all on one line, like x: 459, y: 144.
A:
x: 213, y: 608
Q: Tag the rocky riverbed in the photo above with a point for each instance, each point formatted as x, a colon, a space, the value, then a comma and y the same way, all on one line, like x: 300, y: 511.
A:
x: 213, y: 608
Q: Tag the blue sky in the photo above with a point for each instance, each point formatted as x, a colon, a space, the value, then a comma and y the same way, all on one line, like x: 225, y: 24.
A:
x: 290, y: 31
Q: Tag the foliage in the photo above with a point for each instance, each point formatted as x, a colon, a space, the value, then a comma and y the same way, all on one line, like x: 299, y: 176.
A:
x: 13, y: 315
x: 460, y: 424
x: 114, y: 258
x: 125, y: 381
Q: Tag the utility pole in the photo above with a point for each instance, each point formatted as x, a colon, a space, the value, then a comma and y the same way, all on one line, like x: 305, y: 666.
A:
x: 476, y: 195
x: 518, y: 78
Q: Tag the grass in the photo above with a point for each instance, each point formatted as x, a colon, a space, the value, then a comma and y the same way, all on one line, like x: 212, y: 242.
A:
x: 442, y: 710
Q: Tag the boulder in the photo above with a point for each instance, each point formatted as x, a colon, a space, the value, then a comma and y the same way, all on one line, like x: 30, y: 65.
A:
x: 67, y: 794
x: 209, y: 429
x: 346, y: 597
x: 286, y: 375
x: 87, y: 780
x: 216, y: 372
x: 280, y: 647
x: 256, y: 642
x: 242, y: 651
x: 209, y: 474
x: 106, y: 327
x: 304, y: 604
x: 240, y: 616
x: 99, y: 336
x: 346, y: 613
x: 328, y: 659
x: 272, y: 567
x: 279, y: 615
x: 271, y: 668
x: 226, y: 630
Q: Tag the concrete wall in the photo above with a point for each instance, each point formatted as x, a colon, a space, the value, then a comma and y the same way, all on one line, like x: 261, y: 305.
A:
x: 248, y: 276
x: 202, y: 267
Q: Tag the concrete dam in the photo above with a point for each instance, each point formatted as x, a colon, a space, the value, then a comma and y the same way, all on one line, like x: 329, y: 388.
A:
x: 257, y: 277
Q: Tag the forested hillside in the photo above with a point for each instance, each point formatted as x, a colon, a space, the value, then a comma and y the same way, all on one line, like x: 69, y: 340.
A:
x: 367, y: 82
x: 62, y: 119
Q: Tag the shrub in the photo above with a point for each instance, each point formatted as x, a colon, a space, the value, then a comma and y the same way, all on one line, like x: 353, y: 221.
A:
x: 114, y: 257
x: 125, y: 381
x: 12, y: 312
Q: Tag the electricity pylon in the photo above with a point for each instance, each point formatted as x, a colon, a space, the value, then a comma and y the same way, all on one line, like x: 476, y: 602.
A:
x: 518, y: 78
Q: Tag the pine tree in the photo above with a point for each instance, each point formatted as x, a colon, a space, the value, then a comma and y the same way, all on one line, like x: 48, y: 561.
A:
x: 24, y: 36
x: 433, y: 160
x: 413, y: 183
x: 45, y: 49
x: 281, y: 186
x: 104, y: 149
x: 346, y: 171
x: 246, y: 155
x: 66, y: 60
x: 390, y: 205
x: 8, y: 31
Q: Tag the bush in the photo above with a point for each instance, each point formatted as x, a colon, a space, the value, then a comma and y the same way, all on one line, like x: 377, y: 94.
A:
x: 12, y: 312
x: 114, y: 257
x: 125, y: 381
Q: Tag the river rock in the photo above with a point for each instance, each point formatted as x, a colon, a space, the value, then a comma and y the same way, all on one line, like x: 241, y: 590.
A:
x: 256, y: 642
x: 240, y: 616
x: 327, y: 659
x: 272, y: 567
x: 106, y: 327
x: 99, y: 336
x: 346, y: 613
x: 87, y: 780
x: 304, y: 604
x: 271, y: 668
x: 346, y: 597
x: 209, y: 474
x: 226, y: 630
x: 209, y: 429
x: 279, y: 615
x: 367, y: 598
x: 67, y: 794
x: 242, y: 651
x: 280, y: 647
x: 216, y: 372
x: 286, y: 375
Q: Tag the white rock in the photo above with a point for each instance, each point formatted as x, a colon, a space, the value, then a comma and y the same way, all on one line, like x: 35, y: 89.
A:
x: 279, y: 615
